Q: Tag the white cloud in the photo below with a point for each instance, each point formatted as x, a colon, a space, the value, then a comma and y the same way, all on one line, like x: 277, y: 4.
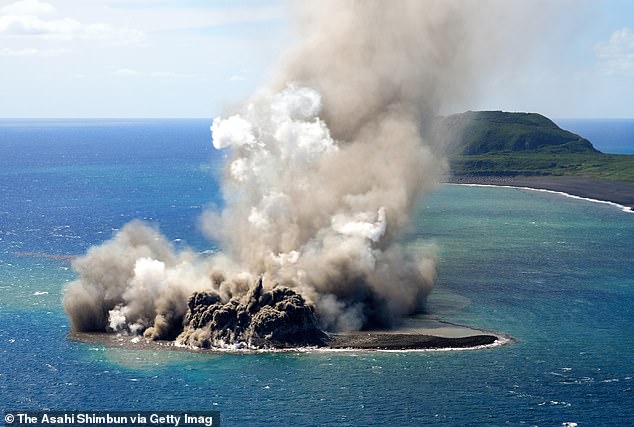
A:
x: 126, y: 72
x: 5, y: 51
x: 111, y: 35
x: 28, y: 7
x: 21, y: 19
x: 33, y: 25
x: 616, y: 56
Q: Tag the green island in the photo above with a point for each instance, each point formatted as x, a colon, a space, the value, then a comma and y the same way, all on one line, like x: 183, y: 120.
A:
x: 528, y: 149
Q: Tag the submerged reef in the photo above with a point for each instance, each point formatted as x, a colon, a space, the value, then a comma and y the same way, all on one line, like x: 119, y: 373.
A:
x: 278, y: 318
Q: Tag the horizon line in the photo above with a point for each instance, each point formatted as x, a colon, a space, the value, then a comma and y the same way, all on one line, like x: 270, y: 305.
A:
x: 212, y: 117
x: 111, y: 118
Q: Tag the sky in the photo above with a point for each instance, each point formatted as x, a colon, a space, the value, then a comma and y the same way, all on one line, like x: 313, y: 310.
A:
x: 197, y: 58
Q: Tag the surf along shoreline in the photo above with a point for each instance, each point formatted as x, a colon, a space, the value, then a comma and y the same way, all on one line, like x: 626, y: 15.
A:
x: 393, y: 341
x: 617, y: 193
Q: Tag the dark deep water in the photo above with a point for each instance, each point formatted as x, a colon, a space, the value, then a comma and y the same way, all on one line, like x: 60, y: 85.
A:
x: 613, y: 136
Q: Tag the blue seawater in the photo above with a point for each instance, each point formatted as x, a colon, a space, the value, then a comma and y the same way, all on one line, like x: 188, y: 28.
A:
x: 555, y: 273
x: 613, y: 136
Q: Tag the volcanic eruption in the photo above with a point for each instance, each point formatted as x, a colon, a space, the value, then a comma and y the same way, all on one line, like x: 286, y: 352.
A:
x: 326, y: 164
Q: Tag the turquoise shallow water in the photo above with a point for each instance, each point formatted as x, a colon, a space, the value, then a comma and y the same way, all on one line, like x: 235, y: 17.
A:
x: 555, y: 273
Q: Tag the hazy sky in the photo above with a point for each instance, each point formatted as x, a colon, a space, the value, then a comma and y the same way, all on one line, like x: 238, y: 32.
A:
x: 192, y: 58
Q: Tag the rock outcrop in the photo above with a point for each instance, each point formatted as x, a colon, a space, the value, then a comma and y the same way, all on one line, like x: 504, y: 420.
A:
x: 278, y: 318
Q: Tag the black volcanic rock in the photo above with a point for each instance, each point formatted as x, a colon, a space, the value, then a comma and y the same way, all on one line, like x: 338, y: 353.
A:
x: 402, y: 341
x: 278, y: 318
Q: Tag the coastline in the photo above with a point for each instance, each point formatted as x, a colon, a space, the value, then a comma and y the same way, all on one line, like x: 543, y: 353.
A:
x: 392, y: 341
x: 405, y: 342
x: 617, y: 193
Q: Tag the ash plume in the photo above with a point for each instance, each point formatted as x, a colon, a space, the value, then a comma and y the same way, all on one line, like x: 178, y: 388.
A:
x: 326, y: 166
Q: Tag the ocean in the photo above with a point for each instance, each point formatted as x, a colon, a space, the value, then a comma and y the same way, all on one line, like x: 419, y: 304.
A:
x: 555, y: 273
x: 613, y: 136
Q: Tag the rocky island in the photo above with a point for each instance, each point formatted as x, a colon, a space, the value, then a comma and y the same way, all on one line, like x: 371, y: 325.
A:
x: 279, y: 319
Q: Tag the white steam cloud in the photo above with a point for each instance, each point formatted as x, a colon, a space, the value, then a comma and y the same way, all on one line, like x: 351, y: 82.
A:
x: 321, y: 215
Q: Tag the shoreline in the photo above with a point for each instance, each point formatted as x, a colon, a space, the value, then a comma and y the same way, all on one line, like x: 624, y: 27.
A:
x: 392, y: 341
x: 615, y: 193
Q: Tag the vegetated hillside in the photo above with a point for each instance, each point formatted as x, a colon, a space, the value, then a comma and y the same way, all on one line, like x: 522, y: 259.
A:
x: 482, y: 132
x: 497, y: 143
